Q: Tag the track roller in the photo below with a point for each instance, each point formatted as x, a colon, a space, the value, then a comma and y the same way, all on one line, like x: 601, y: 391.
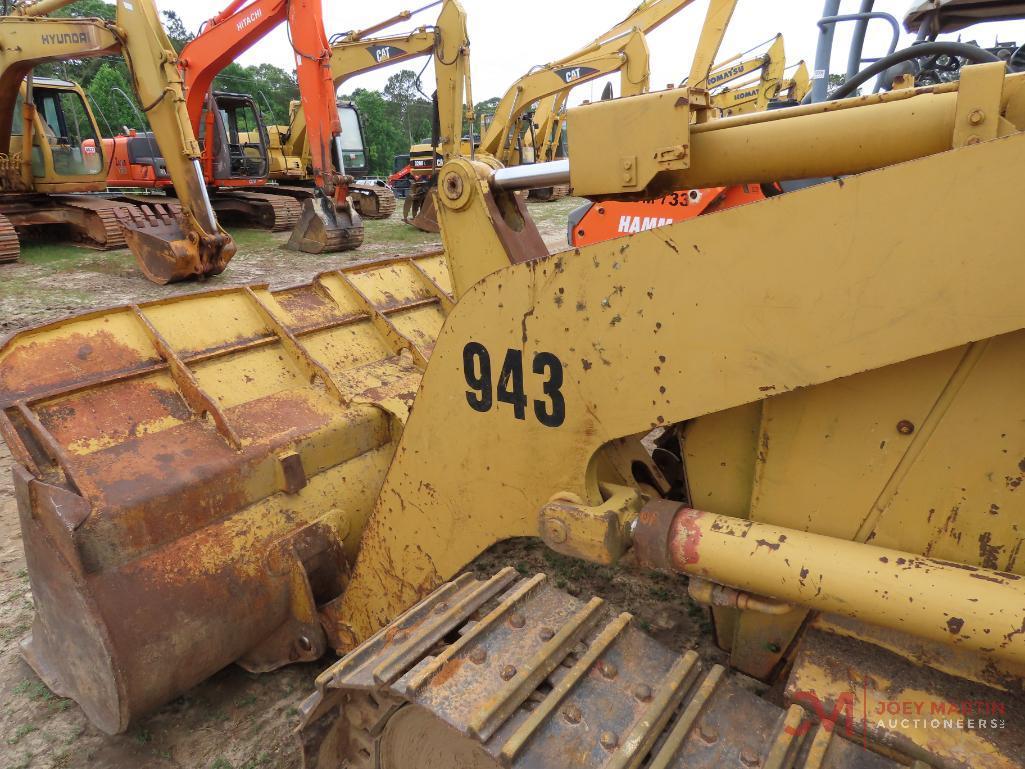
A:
x: 515, y: 673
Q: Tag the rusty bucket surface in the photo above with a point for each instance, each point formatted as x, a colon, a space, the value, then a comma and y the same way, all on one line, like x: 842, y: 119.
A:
x: 166, y: 253
x: 325, y: 228
x: 193, y: 474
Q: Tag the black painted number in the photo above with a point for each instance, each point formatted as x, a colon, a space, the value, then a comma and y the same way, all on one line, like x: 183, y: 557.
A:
x: 550, y: 414
x: 512, y: 389
x: 476, y: 359
x: 510, y: 384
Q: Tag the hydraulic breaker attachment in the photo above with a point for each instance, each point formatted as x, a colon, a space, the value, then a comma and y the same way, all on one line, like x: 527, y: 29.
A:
x: 193, y: 488
x: 325, y: 227
x: 514, y: 673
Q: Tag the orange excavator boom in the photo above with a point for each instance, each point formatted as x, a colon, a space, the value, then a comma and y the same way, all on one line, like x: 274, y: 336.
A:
x: 221, y: 40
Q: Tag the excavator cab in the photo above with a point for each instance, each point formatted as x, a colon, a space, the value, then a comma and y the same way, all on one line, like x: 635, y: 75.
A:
x: 355, y: 160
x: 66, y: 148
x: 240, y: 142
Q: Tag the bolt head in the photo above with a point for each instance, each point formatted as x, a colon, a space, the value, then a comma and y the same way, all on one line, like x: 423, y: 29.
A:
x: 479, y: 655
x: 905, y: 427
x: 555, y: 531
x: 749, y: 758
x: 976, y: 117
x: 546, y: 633
x: 441, y: 608
x: 642, y: 692
x: 708, y: 733
x: 453, y: 186
x: 609, y: 740
x: 517, y: 620
x: 508, y: 672
x: 608, y: 670
x: 572, y: 714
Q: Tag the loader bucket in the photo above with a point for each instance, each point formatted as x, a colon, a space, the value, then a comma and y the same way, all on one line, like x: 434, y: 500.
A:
x: 324, y: 228
x: 193, y: 474
x: 166, y: 253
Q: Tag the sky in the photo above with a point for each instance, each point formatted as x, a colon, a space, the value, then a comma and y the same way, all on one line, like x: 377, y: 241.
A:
x: 508, y: 38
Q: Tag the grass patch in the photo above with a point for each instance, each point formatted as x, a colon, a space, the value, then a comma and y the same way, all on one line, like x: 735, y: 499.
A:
x: 21, y: 732
x: 10, y: 633
x: 394, y: 230
x: 221, y: 763
x: 248, y: 237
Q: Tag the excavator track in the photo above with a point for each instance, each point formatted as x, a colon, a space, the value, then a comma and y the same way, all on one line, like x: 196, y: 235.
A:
x: 373, y: 201
x: 10, y: 246
x: 548, y: 194
x: 515, y: 673
x: 112, y: 216
x: 277, y: 213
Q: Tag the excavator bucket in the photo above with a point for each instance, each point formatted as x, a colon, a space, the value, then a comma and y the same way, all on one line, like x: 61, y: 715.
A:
x: 426, y: 219
x: 166, y: 254
x: 324, y: 228
x: 171, y: 483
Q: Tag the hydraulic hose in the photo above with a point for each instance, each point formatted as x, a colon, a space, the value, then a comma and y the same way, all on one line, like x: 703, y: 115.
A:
x: 962, y: 50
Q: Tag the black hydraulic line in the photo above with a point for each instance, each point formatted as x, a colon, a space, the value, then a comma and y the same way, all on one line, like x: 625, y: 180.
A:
x: 973, y: 53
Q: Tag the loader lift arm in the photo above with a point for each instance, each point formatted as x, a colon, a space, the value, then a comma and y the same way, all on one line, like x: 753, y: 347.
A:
x: 195, y: 247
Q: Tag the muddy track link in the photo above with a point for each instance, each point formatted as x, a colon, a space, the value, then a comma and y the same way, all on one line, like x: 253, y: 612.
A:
x: 548, y: 194
x: 10, y: 246
x: 344, y: 240
x: 277, y: 213
x: 515, y: 673
x: 373, y: 201
x: 114, y: 215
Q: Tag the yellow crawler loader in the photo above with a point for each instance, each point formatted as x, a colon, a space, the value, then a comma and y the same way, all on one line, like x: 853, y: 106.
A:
x: 255, y: 476
x: 49, y: 143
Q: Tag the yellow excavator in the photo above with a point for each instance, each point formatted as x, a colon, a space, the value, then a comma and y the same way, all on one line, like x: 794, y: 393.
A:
x: 826, y: 440
x: 356, y: 53
x: 52, y: 153
x: 755, y: 94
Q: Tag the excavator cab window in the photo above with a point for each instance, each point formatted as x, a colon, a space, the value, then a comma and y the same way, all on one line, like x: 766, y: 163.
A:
x: 240, y: 138
x: 355, y: 159
x: 67, y: 129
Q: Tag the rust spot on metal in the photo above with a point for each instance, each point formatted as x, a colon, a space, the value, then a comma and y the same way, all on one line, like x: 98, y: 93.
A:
x: 37, y: 367
x: 954, y: 625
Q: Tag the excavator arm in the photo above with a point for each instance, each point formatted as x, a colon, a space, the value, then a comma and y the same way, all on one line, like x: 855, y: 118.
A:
x: 356, y: 54
x: 192, y: 247
x: 619, y: 48
x: 755, y: 95
x: 221, y: 40
x: 626, y: 52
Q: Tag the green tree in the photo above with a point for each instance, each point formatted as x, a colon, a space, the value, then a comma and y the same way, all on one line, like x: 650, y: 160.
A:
x: 176, y: 31
x: 485, y: 108
x: 82, y: 70
x: 113, y: 111
x: 383, y: 135
x: 408, y: 106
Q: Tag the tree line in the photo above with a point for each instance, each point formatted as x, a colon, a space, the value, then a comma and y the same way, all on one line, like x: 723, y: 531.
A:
x: 394, y: 118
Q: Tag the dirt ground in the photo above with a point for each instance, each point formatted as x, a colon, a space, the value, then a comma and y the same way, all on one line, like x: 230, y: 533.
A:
x: 235, y: 720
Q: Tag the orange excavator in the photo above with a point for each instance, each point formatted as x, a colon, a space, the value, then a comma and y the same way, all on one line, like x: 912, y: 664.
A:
x: 235, y: 159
